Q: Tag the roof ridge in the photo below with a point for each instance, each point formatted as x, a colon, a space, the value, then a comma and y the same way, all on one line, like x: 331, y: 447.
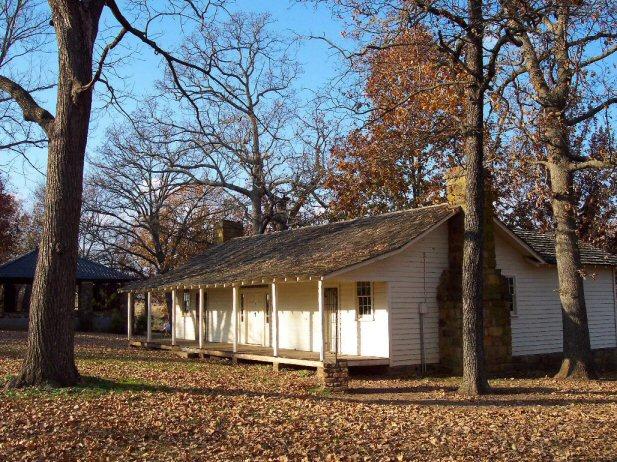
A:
x: 349, y: 220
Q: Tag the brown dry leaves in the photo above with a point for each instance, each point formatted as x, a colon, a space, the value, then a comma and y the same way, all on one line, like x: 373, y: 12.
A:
x: 153, y: 406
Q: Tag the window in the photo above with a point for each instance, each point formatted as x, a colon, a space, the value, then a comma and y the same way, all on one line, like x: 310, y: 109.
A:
x: 241, y: 307
x: 186, y: 302
x: 511, y: 281
x: 364, y: 293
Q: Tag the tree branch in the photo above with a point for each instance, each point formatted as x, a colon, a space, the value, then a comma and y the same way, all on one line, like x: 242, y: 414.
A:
x: 31, y: 110
x: 591, y: 112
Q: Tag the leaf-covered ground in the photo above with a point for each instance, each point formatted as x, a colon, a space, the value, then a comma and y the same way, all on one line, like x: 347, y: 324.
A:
x: 141, y: 405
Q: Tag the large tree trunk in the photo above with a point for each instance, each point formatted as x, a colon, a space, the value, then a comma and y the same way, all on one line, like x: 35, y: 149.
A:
x: 474, y: 373
x: 577, y: 358
x: 50, y: 352
x: 257, y: 215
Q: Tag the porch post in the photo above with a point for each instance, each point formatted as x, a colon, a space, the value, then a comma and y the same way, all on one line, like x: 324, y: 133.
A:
x: 234, y: 318
x: 321, y: 335
x: 173, y: 317
x: 149, y: 318
x: 275, y: 322
x: 201, y: 318
x: 129, y: 315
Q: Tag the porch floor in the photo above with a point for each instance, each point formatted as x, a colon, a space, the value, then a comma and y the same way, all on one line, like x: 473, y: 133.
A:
x: 254, y: 353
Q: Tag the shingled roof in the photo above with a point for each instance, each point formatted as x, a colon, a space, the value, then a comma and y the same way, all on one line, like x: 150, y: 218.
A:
x: 313, y: 251
x: 22, y: 268
x: 544, y: 244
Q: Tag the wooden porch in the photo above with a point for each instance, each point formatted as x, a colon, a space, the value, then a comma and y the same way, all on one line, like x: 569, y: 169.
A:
x: 254, y: 353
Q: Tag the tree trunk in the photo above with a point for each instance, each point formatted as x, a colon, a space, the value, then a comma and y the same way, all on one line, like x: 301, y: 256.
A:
x: 50, y: 353
x: 577, y: 358
x: 257, y: 216
x: 474, y: 374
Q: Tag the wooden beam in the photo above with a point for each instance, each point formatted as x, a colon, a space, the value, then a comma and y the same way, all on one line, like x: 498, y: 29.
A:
x: 201, y: 318
x: 149, y: 318
x: 173, y: 317
x: 275, y: 322
x: 321, y: 323
x: 129, y: 316
x: 234, y: 317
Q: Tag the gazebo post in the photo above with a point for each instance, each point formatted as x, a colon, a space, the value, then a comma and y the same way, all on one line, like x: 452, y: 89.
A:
x: 149, y: 318
x: 129, y: 316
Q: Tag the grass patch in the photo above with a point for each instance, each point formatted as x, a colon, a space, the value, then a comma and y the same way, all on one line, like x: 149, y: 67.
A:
x: 90, y: 387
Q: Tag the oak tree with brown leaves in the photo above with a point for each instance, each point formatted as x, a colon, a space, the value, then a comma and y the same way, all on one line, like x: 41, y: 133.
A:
x: 399, y: 158
x: 10, y: 220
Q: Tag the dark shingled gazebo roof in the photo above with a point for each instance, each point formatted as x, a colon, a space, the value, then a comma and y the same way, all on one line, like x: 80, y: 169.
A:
x: 313, y: 251
x: 544, y: 244
x: 21, y: 270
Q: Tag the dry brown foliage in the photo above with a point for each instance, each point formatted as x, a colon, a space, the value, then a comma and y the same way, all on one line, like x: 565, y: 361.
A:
x: 140, y: 405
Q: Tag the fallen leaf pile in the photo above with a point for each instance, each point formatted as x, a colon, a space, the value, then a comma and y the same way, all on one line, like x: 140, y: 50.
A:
x: 151, y: 405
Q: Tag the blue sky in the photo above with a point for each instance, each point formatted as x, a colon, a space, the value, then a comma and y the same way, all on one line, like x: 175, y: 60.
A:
x: 141, y: 71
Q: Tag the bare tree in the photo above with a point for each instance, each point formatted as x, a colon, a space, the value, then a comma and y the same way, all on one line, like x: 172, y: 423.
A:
x: 144, y: 217
x: 561, y: 79
x: 157, y: 217
x: 50, y: 353
x: 24, y: 30
x: 242, y: 120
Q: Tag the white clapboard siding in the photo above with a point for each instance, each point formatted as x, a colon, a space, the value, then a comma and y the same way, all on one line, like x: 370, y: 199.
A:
x: 218, y: 316
x: 537, y: 325
x: 405, y: 276
x: 298, y: 318
x: 364, y: 337
x: 600, y: 300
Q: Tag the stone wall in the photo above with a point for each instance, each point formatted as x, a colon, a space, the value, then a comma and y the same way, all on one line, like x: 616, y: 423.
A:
x: 334, y: 376
x: 497, y: 329
x: 605, y: 359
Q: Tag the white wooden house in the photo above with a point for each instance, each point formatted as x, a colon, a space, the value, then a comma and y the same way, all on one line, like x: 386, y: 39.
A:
x: 367, y: 291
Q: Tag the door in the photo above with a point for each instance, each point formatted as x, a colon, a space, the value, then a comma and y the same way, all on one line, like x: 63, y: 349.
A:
x: 331, y: 309
x: 253, y: 317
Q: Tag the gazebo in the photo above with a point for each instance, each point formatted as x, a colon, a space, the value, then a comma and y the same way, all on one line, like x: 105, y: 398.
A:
x: 17, y: 275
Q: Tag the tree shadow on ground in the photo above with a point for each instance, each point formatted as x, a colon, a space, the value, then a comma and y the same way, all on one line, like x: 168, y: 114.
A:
x: 499, y: 398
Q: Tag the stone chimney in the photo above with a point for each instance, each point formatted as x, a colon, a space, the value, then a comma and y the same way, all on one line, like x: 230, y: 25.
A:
x: 228, y: 229
x: 497, y: 330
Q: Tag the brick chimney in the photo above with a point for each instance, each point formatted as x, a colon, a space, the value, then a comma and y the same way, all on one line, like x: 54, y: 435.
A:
x: 228, y: 229
x: 497, y: 330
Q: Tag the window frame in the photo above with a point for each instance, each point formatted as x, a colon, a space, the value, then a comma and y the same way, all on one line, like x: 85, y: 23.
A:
x: 365, y: 316
x: 513, y: 294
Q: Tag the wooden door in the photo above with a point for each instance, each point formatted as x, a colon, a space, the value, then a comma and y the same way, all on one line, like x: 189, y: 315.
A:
x: 254, y: 317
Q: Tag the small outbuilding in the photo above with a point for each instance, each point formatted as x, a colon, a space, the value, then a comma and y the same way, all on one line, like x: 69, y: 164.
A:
x: 96, y: 286
x: 383, y: 290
